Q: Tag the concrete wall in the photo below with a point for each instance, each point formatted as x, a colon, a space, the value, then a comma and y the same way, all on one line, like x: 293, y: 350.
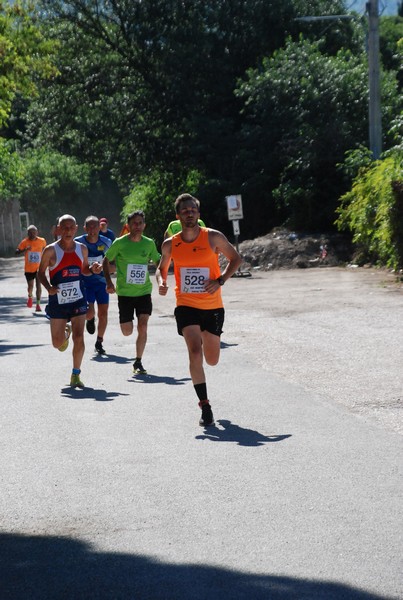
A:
x: 10, y: 228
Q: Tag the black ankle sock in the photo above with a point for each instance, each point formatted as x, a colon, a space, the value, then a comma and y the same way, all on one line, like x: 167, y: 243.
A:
x: 99, y: 339
x: 201, y: 391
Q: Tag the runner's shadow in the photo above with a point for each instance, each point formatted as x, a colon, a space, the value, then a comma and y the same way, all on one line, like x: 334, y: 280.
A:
x: 121, y: 360
x: 239, y: 435
x: 8, y: 307
x: 146, y: 378
x: 224, y: 345
x: 90, y: 394
x: 12, y: 348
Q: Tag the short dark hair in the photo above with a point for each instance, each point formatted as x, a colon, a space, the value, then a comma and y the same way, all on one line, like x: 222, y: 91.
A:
x: 186, y: 198
x: 91, y: 218
x: 136, y: 213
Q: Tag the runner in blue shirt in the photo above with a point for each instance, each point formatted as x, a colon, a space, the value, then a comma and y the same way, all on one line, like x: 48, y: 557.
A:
x: 95, y: 285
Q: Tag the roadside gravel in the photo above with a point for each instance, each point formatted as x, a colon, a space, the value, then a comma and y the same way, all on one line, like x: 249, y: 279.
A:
x: 335, y: 331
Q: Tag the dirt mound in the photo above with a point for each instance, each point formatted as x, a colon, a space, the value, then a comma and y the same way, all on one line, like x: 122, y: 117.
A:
x: 283, y: 249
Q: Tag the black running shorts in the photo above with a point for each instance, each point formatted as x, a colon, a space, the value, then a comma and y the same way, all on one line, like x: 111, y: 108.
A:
x: 30, y: 276
x: 209, y: 320
x: 128, y: 304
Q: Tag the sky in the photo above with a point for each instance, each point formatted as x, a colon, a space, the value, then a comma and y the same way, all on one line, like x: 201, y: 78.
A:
x: 386, y: 7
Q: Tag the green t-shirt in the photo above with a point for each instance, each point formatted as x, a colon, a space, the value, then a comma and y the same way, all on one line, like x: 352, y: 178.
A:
x: 131, y: 259
x: 175, y: 227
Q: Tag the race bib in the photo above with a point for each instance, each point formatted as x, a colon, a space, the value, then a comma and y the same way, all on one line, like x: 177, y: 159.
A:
x: 34, y: 257
x: 69, y: 292
x: 136, y: 274
x: 94, y: 259
x: 192, y: 279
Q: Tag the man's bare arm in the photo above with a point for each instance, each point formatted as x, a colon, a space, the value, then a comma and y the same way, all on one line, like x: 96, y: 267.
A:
x: 161, y: 273
x: 110, y: 288
x: 220, y: 243
x: 47, y: 260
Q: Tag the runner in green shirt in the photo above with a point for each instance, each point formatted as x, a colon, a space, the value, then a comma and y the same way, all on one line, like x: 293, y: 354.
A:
x: 176, y: 226
x: 132, y: 254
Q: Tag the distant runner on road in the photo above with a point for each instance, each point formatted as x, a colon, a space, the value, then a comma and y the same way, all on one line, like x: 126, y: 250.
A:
x: 66, y: 260
x: 105, y: 231
x: 32, y: 247
x: 199, y: 309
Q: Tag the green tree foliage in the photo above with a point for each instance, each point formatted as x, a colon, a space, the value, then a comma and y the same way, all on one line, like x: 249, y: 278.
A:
x: 149, y: 84
x: 140, y: 79
x: 390, y: 39
x: 373, y: 211
x: 155, y: 194
x: 146, y: 91
x: 25, y: 54
x: 10, y: 171
x: 51, y: 184
x: 304, y: 110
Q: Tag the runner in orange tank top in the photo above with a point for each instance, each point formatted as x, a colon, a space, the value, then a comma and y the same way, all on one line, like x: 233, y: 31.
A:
x: 32, y: 246
x: 199, y: 309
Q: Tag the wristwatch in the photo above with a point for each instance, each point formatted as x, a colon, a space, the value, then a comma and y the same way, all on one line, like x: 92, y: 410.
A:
x: 220, y: 280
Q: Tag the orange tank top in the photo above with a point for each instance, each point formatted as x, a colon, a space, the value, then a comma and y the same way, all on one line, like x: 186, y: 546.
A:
x: 194, y: 262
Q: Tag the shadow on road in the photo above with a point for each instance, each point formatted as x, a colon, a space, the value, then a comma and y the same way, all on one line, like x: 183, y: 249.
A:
x: 146, y: 378
x: 101, y: 358
x: 8, y: 307
x: 89, y: 393
x: 239, y: 435
x: 48, y: 568
x: 14, y: 348
x: 224, y: 345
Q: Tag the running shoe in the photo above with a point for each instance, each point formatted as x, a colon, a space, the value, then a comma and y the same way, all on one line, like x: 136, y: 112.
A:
x: 65, y: 344
x: 138, y: 368
x: 30, y: 302
x: 90, y: 325
x: 99, y: 348
x: 76, y: 382
x: 38, y: 308
x: 206, y: 418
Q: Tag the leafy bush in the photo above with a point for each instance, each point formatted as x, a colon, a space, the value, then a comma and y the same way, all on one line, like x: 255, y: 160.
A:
x: 10, y: 171
x: 373, y: 210
x: 155, y: 194
x: 25, y: 54
x: 51, y: 184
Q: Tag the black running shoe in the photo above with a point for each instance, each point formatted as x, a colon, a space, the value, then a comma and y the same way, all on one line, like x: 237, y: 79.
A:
x: 138, y: 368
x: 99, y: 348
x: 206, y: 418
x: 90, y: 325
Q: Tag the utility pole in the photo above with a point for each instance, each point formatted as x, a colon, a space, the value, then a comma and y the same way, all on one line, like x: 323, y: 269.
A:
x: 374, y: 104
x: 375, y: 121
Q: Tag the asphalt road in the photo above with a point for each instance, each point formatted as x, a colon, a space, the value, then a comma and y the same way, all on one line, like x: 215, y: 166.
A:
x: 115, y: 492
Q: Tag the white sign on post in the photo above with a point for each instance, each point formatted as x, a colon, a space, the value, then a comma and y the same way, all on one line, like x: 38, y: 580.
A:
x: 234, y: 206
x: 235, y: 225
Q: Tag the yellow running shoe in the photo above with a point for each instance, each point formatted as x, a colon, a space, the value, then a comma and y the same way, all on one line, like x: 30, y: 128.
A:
x: 76, y: 382
x: 65, y: 344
